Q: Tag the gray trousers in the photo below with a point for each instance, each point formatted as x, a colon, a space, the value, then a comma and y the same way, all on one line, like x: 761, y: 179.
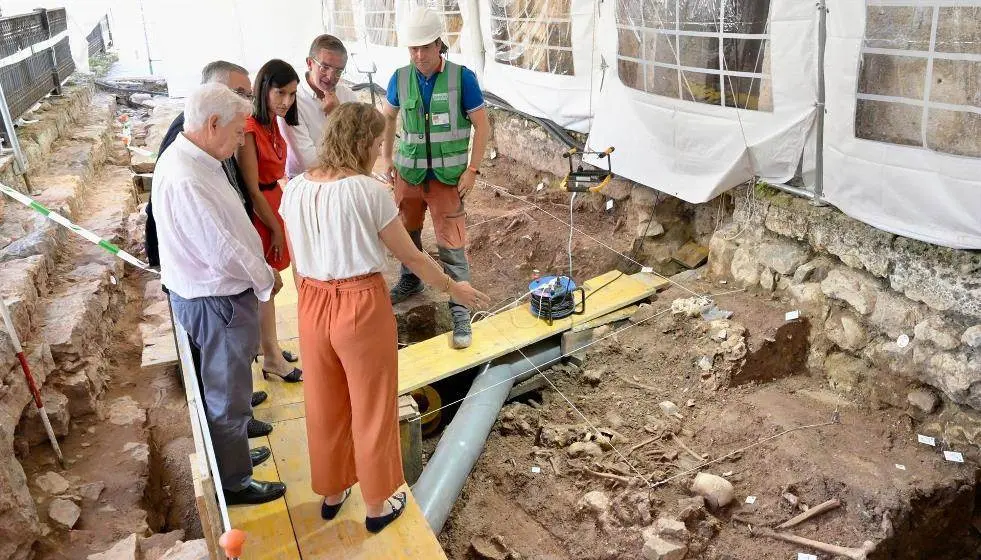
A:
x: 454, y: 262
x: 226, y: 330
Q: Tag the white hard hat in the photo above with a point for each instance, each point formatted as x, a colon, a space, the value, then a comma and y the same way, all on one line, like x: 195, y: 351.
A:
x: 421, y: 27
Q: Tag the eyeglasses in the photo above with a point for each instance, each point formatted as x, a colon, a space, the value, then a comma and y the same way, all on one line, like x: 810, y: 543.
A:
x: 244, y: 94
x: 325, y: 67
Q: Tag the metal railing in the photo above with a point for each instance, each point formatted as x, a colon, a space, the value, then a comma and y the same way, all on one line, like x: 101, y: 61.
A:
x: 100, y: 39
x: 35, y: 59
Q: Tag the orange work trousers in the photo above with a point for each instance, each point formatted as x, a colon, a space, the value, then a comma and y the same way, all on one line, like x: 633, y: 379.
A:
x: 445, y: 207
x: 348, y: 340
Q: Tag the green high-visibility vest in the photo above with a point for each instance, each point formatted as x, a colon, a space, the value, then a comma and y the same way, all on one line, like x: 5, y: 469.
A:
x: 437, y: 140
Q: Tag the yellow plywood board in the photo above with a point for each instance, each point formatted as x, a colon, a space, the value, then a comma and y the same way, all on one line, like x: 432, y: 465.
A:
x: 273, y: 413
x: 345, y: 537
x: 433, y: 359
x: 267, y: 525
x: 618, y: 315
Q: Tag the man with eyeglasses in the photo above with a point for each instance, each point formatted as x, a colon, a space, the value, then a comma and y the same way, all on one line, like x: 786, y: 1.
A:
x: 237, y: 79
x: 320, y: 92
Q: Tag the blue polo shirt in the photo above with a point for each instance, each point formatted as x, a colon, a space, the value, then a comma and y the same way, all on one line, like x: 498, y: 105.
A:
x: 471, y: 99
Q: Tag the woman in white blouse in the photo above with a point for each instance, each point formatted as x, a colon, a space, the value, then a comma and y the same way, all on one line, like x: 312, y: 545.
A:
x: 339, y: 221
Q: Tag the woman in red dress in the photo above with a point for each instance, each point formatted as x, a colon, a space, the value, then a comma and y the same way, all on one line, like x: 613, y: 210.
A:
x: 262, y: 159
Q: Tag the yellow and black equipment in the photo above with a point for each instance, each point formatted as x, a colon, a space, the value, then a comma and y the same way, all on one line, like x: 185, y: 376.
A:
x: 586, y: 180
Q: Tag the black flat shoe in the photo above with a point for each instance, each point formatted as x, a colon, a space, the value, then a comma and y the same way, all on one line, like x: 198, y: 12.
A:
x: 258, y: 428
x: 329, y: 512
x: 257, y: 492
x: 259, y: 455
x: 290, y: 357
x: 258, y: 398
x: 294, y: 376
x: 376, y: 524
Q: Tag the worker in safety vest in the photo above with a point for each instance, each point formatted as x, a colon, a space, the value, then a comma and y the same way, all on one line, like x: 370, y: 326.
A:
x: 439, y: 101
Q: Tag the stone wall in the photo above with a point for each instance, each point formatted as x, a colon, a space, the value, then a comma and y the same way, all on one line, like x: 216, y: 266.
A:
x: 866, y: 291
x: 661, y: 224
x: 894, y: 316
x: 65, y: 148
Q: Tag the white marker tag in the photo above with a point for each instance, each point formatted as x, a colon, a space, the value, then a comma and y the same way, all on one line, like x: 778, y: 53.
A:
x: 647, y: 269
x: 750, y: 499
x: 441, y: 119
x: 953, y: 456
x: 540, y: 186
x: 804, y: 556
x: 901, y: 467
x: 536, y: 470
x: 112, y: 279
x: 926, y: 439
x: 609, y: 204
x: 902, y: 341
x: 792, y: 315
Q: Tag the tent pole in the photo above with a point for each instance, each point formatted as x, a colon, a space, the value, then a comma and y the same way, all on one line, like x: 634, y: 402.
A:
x: 818, y: 199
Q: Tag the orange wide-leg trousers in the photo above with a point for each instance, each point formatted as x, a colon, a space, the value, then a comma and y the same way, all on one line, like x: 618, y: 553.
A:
x: 348, y: 340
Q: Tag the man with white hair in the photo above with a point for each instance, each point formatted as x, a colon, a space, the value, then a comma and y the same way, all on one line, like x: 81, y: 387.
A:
x: 211, y: 260
x: 237, y: 79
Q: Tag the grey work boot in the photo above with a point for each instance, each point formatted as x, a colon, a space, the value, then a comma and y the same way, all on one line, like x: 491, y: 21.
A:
x: 455, y: 264
x: 409, y: 284
x: 462, y: 333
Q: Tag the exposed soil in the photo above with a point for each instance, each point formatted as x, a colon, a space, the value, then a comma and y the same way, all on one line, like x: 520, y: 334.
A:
x: 748, y: 395
x: 118, y: 451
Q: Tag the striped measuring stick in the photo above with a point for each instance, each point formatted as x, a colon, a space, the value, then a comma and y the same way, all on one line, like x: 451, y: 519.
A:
x: 88, y: 235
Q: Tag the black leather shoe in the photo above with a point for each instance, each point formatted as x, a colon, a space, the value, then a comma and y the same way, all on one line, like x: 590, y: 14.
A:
x: 259, y: 455
x: 329, y: 511
x: 259, y: 397
x: 257, y: 492
x: 258, y: 428
x: 376, y: 524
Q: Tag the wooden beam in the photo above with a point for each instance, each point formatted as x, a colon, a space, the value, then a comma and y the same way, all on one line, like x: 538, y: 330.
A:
x: 410, y: 436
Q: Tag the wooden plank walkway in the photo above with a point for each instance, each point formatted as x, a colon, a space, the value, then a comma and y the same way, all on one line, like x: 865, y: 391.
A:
x: 291, y: 528
x: 432, y: 360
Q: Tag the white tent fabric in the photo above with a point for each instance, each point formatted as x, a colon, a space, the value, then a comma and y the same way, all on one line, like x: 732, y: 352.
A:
x: 695, y: 151
x: 564, y: 99
x: 910, y: 191
x: 569, y: 62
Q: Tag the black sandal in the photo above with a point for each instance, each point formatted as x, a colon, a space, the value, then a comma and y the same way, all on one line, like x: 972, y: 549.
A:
x: 290, y: 357
x: 294, y: 376
x: 376, y: 524
x: 329, y: 512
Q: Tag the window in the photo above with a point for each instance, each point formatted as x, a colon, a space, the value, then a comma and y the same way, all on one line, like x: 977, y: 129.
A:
x: 339, y: 19
x: 921, y: 66
x: 533, y: 34
x: 379, y: 21
x: 452, y: 21
x: 708, y: 51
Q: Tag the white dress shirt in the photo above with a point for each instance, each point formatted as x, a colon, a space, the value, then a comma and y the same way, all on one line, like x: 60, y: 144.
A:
x: 208, y: 245
x: 303, y: 139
